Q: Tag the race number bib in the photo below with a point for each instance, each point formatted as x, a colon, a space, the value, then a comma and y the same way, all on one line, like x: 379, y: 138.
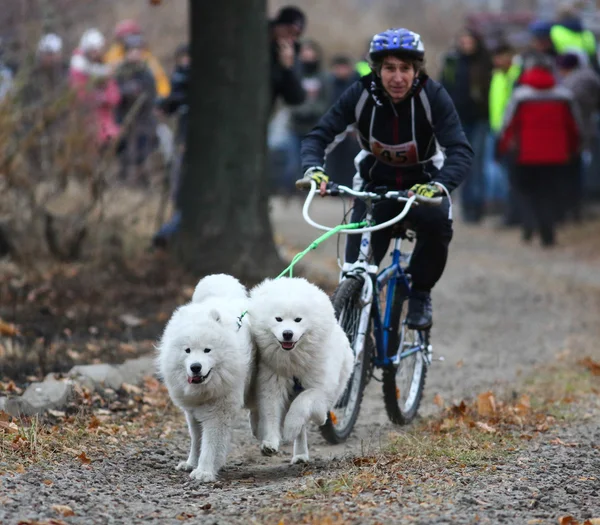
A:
x: 395, y: 155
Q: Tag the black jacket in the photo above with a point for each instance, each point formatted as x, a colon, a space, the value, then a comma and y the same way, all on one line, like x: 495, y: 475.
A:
x: 285, y: 83
x: 440, y: 151
x: 177, y: 101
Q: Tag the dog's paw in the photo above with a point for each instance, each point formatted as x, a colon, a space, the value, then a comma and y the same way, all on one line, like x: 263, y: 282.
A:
x: 203, y: 476
x: 185, y: 466
x: 269, y: 448
x: 292, y: 428
x: 300, y: 459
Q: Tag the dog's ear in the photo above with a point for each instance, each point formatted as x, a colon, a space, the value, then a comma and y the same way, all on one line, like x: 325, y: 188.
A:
x: 215, y: 315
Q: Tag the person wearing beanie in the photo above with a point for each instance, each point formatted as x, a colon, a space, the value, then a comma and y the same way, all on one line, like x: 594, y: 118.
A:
x: 584, y: 84
x: 541, y: 133
x: 285, y: 31
x: 116, y: 54
x: 136, y: 108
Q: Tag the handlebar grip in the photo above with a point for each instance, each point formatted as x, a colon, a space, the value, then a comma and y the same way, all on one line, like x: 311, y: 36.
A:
x: 304, y: 183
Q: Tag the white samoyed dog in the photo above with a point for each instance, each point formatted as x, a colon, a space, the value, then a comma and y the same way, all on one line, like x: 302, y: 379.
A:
x: 206, y: 360
x: 298, y: 340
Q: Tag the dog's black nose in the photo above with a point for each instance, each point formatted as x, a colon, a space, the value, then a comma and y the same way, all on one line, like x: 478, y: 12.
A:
x: 287, y: 335
x: 196, y: 368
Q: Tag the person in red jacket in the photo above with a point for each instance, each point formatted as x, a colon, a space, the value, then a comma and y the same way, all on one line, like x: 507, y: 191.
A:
x: 541, y: 134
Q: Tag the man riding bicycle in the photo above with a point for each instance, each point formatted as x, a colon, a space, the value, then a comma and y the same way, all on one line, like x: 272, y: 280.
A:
x: 411, y: 138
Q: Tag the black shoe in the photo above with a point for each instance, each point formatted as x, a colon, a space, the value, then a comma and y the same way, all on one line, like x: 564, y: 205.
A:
x: 420, y: 315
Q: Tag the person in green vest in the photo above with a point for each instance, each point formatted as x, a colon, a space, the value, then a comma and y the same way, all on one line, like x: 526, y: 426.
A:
x: 569, y: 35
x: 504, y: 75
x: 363, y: 67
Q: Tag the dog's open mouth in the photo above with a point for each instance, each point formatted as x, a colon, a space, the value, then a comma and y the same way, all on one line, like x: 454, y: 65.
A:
x: 196, y: 380
x: 287, y: 345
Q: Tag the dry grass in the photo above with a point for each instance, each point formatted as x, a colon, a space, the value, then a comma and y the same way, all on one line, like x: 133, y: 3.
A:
x: 468, y: 437
x: 91, y: 428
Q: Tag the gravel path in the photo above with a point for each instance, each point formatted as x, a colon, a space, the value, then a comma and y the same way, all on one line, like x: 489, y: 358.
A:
x: 500, y: 310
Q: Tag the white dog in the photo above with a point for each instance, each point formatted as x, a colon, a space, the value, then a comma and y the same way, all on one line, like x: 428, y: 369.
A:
x: 298, y: 338
x: 206, y: 359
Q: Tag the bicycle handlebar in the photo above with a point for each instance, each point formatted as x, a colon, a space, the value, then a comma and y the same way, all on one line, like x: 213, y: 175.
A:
x: 334, y: 189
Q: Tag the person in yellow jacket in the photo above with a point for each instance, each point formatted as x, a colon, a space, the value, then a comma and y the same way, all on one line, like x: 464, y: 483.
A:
x: 569, y: 35
x: 116, y: 54
x: 504, y: 75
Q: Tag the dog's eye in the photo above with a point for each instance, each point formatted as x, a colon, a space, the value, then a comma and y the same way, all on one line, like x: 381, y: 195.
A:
x: 298, y: 319
x: 187, y: 350
x: 206, y: 350
x: 279, y: 319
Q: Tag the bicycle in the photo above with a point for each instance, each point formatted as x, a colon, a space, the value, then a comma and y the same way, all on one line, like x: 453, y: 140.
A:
x: 370, y: 306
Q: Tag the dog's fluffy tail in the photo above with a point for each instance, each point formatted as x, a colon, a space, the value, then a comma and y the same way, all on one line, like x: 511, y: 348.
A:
x: 219, y: 285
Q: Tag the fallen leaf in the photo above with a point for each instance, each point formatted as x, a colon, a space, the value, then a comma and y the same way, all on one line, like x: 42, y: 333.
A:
x: 486, y: 404
x: 127, y: 348
x: 11, y: 428
x: 94, y: 423
x: 524, y: 404
x: 559, y: 441
x: 8, y: 329
x: 460, y: 364
x: 592, y: 521
x: 184, y: 516
x: 567, y: 520
x: 485, y: 427
x: 439, y: 400
x: 534, y: 521
x: 84, y: 459
x: 47, y: 482
x: 333, y: 417
x: 20, y: 469
x: 593, y: 366
x: 64, y: 510
x: 206, y: 506
x: 131, y: 389
x: 57, y: 413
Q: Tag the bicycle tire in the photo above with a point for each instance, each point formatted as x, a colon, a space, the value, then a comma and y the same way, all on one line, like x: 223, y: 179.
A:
x: 398, y: 412
x: 347, y: 294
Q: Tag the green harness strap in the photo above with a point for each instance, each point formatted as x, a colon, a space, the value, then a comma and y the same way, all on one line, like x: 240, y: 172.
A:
x: 312, y: 246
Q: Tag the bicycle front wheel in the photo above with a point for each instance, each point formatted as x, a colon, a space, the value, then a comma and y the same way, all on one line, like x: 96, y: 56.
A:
x: 348, y: 307
x: 404, y: 380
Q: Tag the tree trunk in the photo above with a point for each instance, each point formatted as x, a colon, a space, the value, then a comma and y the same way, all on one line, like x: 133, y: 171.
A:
x: 225, y: 187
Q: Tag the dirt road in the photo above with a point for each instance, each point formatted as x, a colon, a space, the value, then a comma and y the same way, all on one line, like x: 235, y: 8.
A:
x: 500, y: 310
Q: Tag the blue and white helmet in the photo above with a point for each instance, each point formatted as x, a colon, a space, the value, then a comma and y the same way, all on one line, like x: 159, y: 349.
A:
x: 397, y: 41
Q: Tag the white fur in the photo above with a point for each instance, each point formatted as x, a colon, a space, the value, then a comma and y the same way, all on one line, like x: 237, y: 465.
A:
x: 321, y: 360
x: 210, y: 321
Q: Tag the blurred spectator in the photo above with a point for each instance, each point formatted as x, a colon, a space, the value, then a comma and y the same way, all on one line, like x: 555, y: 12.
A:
x: 363, y: 67
x: 176, y: 103
x: 49, y: 73
x: 541, y: 133
x: 285, y: 30
x: 304, y: 117
x: 116, y: 54
x: 584, y: 84
x: 568, y: 35
x: 504, y: 75
x: 340, y: 160
x: 6, y: 78
x: 466, y: 75
x: 92, y: 81
x: 136, y: 110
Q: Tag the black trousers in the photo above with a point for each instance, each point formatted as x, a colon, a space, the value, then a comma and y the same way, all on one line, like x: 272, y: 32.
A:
x: 434, y: 233
x: 538, y: 187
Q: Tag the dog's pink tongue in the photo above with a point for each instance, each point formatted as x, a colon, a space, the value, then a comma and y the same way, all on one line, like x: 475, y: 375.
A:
x: 287, y: 346
x: 194, y: 379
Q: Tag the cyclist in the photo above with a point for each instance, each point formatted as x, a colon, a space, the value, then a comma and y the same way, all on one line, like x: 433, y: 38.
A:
x: 411, y: 138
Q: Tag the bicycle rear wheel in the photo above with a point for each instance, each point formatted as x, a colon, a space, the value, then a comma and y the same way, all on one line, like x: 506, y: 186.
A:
x: 404, y: 380
x: 347, y: 305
